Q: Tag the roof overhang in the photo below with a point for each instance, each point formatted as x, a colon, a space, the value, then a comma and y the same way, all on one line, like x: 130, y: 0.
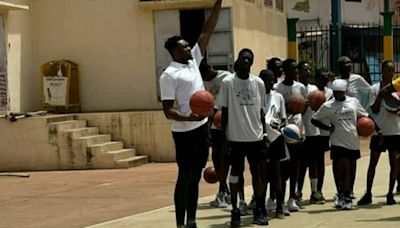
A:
x: 11, y: 6
x: 174, y: 4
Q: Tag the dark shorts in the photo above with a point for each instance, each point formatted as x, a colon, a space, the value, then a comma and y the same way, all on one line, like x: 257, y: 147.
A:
x: 390, y: 143
x: 338, y: 152
x: 216, y: 138
x: 295, y: 151
x: 324, y: 142
x: 311, y: 147
x: 276, y: 150
x: 192, y: 147
x: 254, y: 151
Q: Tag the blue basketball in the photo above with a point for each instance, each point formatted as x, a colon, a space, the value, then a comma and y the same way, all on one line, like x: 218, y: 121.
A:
x: 291, y: 134
x: 390, y: 106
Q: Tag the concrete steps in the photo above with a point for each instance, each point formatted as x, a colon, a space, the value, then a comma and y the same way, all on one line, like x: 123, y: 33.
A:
x: 85, y: 148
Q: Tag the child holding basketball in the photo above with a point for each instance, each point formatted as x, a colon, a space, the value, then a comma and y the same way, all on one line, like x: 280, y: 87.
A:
x: 190, y: 132
x: 341, y: 113
x: 311, y: 148
x: 275, y: 119
x: 241, y: 98
x: 386, y: 138
x: 212, y: 83
x: 288, y: 87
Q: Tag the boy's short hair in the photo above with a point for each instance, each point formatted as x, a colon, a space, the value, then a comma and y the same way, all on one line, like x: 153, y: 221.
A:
x: 288, y: 64
x: 271, y: 63
x: 172, y: 42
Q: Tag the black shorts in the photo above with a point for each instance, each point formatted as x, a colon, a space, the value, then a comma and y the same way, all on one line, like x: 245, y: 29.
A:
x: 390, y: 143
x: 192, y: 147
x: 375, y: 145
x: 311, y: 148
x: 295, y: 151
x: 338, y: 152
x: 324, y: 142
x: 216, y: 140
x: 276, y: 150
x: 254, y: 151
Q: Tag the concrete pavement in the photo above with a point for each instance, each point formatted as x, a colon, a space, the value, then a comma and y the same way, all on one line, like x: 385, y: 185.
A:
x: 376, y: 215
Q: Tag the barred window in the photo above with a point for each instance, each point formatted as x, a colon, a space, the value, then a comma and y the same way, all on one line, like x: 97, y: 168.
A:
x: 268, y: 3
x: 279, y: 5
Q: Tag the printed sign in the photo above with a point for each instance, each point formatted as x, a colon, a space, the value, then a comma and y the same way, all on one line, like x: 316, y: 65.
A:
x: 55, y: 90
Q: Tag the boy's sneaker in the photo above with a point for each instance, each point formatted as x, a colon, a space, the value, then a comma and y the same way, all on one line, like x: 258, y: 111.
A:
x: 279, y: 212
x: 270, y: 205
x: 292, y: 205
x: 252, y: 204
x: 285, y: 210
x: 365, y: 200
x: 242, y: 208
x: 191, y: 225
x: 260, y: 217
x: 317, y: 198
x: 390, y: 200
x: 323, y: 198
x: 338, y: 200
x: 347, y: 204
x: 235, y: 218
x: 219, y: 201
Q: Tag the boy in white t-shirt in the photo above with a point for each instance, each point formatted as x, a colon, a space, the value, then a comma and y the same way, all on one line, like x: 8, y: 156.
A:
x: 311, y: 148
x: 387, y: 138
x: 288, y: 87
x: 357, y: 87
x: 342, y: 113
x: 212, y: 82
x: 190, y: 132
x: 275, y: 119
x: 241, y: 98
x: 322, y: 79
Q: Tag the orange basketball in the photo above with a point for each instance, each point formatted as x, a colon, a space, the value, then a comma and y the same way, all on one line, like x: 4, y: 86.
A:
x: 365, y: 126
x: 202, y: 103
x: 210, y: 176
x: 217, y: 119
x: 316, y: 99
x: 296, y: 104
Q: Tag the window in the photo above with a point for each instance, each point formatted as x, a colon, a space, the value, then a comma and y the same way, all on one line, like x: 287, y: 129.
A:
x: 353, y: 0
x: 279, y: 5
x: 268, y: 3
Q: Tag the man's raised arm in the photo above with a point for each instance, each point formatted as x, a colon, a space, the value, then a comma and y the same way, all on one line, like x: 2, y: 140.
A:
x: 209, y: 26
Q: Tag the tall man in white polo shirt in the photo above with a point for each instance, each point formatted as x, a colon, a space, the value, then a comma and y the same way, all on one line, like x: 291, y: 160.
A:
x: 177, y: 83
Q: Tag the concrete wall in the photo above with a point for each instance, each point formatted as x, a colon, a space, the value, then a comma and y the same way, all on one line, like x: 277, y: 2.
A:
x: 261, y: 29
x: 148, y: 132
x: 25, y: 146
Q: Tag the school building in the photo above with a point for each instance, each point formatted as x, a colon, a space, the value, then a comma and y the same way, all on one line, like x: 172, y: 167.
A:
x: 118, y: 46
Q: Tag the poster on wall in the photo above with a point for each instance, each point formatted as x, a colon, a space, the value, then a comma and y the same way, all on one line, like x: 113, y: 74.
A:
x: 55, y: 90
x: 3, y: 91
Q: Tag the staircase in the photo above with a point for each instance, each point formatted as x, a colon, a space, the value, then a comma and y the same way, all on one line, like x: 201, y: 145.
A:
x: 83, y: 147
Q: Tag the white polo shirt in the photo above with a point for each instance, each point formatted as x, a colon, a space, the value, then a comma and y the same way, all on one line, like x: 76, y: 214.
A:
x: 178, y: 82
x: 359, y: 88
x: 309, y: 128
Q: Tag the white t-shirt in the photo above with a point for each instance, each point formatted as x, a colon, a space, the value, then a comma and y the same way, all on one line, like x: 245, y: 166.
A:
x: 244, y: 100
x: 275, y: 111
x: 328, y: 95
x: 287, y: 91
x: 213, y: 86
x: 309, y: 128
x: 178, y: 82
x: 388, y: 122
x: 343, y: 115
x: 359, y: 88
